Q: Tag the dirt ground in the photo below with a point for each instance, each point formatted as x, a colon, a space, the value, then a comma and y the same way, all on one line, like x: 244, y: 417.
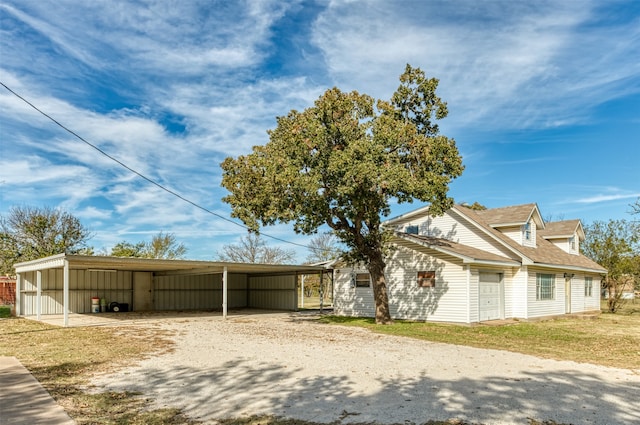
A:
x: 288, y: 365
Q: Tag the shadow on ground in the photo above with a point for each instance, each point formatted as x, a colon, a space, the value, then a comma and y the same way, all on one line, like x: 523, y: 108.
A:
x: 236, y: 389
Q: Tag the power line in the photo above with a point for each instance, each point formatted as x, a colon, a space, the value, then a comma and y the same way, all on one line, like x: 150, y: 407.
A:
x: 148, y: 179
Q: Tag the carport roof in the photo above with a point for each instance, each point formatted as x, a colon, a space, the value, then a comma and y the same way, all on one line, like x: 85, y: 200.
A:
x: 91, y: 262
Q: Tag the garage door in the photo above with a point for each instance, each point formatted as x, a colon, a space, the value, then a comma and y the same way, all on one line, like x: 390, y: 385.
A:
x: 490, y: 296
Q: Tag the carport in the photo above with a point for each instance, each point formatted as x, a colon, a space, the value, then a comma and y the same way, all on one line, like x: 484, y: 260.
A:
x: 64, y: 284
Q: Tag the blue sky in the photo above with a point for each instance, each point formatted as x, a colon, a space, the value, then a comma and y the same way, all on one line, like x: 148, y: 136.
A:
x: 544, y: 100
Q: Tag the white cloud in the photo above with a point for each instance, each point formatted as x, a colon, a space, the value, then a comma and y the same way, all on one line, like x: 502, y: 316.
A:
x: 506, y: 64
x: 607, y: 197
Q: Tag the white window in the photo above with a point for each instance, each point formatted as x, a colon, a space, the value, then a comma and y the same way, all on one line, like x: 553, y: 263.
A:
x: 588, y: 286
x: 526, y: 232
x: 572, y: 243
x: 545, y: 286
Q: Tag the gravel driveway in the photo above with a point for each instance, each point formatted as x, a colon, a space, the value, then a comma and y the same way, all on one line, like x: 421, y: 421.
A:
x: 287, y: 365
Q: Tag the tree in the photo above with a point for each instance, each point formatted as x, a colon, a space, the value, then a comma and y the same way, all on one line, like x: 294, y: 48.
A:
x: 128, y: 249
x: 477, y: 206
x: 28, y: 233
x: 163, y: 245
x: 322, y: 248
x: 340, y: 163
x: 615, y: 245
x: 635, y: 207
x: 253, y: 249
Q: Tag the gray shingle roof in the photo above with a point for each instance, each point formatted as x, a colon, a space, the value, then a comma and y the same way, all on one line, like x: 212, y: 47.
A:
x: 564, y: 228
x: 545, y: 252
x: 517, y: 214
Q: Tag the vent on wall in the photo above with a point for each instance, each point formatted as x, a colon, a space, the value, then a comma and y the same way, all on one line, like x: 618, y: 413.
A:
x: 412, y: 230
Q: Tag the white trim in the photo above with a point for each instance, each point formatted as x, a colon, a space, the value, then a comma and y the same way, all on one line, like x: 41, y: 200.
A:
x: 18, y: 290
x: 225, y: 280
x: 469, y: 295
x: 38, y: 294
x: 65, y: 291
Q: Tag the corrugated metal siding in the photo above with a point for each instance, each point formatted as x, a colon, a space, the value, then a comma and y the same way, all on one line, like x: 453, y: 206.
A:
x: 187, y: 292
x: 83, y: 284
x: 273, y: 292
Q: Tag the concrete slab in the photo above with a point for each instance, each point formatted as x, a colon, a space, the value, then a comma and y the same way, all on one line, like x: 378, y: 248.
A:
x: 24, y: 401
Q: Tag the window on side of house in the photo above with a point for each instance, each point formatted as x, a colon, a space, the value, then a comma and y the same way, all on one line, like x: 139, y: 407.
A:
x: 588, y: 286
x: 572, y: 243
x: 545, y: 286
x: 363, y: 280
x: 427, y: 279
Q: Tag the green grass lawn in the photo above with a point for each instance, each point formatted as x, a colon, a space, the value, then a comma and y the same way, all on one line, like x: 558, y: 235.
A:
x: 608, y: 340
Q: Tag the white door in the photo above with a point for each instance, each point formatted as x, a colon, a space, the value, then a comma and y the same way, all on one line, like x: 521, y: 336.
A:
x: 490, y: 296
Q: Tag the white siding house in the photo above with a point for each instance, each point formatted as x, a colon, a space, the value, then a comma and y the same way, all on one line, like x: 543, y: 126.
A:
x: 472, y: 266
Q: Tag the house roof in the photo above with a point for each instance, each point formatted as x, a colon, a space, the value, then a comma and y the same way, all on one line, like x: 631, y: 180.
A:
x: 515, y: 215
x: 562, y: 229
x: 545, y: 253
x: 467, y: 253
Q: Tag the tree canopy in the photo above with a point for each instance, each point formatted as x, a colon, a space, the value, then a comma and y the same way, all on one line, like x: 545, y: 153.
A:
x: 253, y: 249
x: 28, y: 233
x: 615, y: 245
x: 162, y: 245
x: 322, y: 247
x: 340, y: 162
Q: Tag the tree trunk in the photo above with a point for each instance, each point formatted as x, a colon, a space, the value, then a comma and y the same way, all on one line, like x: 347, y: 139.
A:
x: 376, y: 270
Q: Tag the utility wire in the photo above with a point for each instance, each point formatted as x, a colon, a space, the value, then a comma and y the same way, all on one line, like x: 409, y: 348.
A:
x: 148, y: 179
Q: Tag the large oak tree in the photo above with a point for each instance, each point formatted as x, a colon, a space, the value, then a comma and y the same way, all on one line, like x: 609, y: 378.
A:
x: 341, y: 162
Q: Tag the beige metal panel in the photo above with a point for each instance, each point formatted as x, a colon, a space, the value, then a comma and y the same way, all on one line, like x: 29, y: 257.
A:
x: 273, y: 292
x: 187, y: 292
x: 142, y: 291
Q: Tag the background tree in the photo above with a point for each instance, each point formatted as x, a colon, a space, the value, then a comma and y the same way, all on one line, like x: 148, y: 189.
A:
x: 128, y: 249
x: 615, y: 245
x: 323, y: 247
x: 162, y: 245
x: 165, y: 245
x: 340, y: 163
x: 635, y: 207
x: 253, y: 249
x: 28, y: 233
x: 477, y: 206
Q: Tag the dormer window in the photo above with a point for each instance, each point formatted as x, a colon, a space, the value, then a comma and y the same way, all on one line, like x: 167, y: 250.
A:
x: 526, y: 232
x: 572, y: 243
x: 412, y: 230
